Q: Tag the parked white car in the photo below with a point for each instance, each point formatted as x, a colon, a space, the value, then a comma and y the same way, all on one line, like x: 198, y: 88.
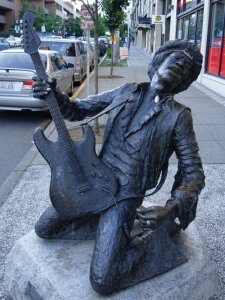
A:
x: 14, y: 41
x: 17, y: 71
x: 91, y: 54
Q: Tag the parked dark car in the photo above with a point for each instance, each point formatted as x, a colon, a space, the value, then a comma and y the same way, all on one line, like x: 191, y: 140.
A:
x: 105, y: 39
x: 101, y: 47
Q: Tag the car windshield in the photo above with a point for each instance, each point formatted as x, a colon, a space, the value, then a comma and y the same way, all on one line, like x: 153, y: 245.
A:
x: 18, y: 60
x: 64, y: 48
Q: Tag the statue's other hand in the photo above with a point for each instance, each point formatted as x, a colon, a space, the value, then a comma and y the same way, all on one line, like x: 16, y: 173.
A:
x: 41, y: 87
x: 153, y: 216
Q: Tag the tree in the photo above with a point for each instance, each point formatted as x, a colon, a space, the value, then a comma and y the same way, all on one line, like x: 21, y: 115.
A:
x: 114, y: 17
x: 101, y: 26
x: 51, y: 22
x: 73, y: 26
x: 123, y: 29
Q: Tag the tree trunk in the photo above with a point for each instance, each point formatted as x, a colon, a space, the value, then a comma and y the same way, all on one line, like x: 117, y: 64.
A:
x: 112, y: 54
x: 96, y: 125
x: 117, y: 48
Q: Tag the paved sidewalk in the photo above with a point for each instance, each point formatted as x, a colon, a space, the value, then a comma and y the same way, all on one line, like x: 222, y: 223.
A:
x: 30, y: 196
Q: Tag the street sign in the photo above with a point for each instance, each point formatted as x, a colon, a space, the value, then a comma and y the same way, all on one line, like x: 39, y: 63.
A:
x: 86, y: 21
x: 145, y: 21
x: 87, y: 24
x: 158, y: 19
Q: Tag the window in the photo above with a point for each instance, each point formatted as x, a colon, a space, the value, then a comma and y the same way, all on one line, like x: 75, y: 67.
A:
x: 64, y: 48
x: 199, y: 28
x: 189, y: 27
x: 183, y: 5
x: 192, y: 27
x: 18, y: 60
x: 216, y: 42
x: 185, y: 27
x: 179, y: 28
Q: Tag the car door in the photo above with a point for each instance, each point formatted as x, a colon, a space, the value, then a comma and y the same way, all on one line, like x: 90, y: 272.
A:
x: 83, y: 57
x: 61, y: 72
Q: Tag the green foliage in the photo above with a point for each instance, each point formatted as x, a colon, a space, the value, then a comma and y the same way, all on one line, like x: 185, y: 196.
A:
x: 8, y: 32
x: 109, y: 52
x: 123, y: 29
x: 101, y: 27
x: 114, y: 14
x: 107, y: 63
x: 73, y: 26
x: 51, y: 22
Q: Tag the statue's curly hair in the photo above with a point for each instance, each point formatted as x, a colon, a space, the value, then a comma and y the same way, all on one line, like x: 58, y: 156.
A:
x: 177, y: 45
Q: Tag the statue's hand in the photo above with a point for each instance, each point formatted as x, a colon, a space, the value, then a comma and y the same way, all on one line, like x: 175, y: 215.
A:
x: 153, y: 216
x: 41, y: 87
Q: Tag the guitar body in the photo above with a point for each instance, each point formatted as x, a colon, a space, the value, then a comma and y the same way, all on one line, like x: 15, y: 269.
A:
x: 68, y: 201
x: 81, y: 183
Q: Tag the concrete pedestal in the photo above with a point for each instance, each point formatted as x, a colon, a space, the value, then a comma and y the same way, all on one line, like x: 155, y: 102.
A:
x: 37, y: 269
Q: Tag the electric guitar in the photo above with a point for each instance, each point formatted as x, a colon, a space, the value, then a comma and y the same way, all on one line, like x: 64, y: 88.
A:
x: 81, y: 183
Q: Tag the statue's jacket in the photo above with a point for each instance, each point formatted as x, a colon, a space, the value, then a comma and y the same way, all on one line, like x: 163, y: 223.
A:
x: 172, y: 131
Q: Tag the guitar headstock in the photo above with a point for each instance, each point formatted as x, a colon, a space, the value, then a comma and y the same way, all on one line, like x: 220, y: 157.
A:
x: 31, y: 40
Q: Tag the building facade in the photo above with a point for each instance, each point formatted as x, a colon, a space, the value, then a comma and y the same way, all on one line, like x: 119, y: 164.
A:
x: 9, y: 10
x: 199, y: 21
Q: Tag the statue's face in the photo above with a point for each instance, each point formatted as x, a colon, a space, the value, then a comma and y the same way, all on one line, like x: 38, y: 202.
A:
x: 174, y: 70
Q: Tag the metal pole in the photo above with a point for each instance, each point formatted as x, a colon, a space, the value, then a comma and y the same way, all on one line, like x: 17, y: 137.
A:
x: 88, y: 61
x: 62, y: 32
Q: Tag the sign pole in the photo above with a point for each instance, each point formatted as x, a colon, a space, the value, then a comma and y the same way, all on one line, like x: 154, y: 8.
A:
x: 88, y: 61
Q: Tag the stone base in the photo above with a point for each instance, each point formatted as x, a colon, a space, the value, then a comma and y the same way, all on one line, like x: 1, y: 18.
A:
x: 37, y: 269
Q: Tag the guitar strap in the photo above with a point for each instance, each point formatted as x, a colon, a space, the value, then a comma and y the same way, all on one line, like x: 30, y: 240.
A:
x: 125, y: 98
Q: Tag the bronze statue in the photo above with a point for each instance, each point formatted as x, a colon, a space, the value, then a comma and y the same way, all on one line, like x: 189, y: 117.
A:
x: 145, y: 126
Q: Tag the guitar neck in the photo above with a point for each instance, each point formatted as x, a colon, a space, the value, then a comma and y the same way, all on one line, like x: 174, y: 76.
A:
x: 63, y: 135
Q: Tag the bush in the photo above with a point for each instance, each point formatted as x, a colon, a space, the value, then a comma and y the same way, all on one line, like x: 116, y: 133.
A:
x: 109, y: 52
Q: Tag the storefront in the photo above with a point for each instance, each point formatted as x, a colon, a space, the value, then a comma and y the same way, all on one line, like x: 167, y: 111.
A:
x: 215, y: 63
x: 190, y: 20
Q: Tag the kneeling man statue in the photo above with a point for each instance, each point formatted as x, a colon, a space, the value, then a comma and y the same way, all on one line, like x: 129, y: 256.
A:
x: 145, y: 127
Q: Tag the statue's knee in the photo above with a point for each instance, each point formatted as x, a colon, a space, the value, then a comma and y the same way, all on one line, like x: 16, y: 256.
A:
x: 42, y: 230
x: 101, y: 284
x: 48, y: 224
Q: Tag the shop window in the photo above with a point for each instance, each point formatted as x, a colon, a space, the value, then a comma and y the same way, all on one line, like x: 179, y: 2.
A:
x: 192, y: 27
x: 199, y: 28
x: 185, y: 27
x: 189, y: 27
x: 183, y: 5
x: 215, y: 43
x: 179, y: 28
x: 179, y: 6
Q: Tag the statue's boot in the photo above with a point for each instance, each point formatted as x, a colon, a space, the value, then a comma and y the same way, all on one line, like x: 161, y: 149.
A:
x: 149, y: 255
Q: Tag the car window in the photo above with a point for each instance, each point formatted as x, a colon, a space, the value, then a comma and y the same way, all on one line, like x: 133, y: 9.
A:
x: 55, y: 63
x: 81, y: 48
x: 64, y: 48
x: 61, y: 61
x: 19, y: 60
